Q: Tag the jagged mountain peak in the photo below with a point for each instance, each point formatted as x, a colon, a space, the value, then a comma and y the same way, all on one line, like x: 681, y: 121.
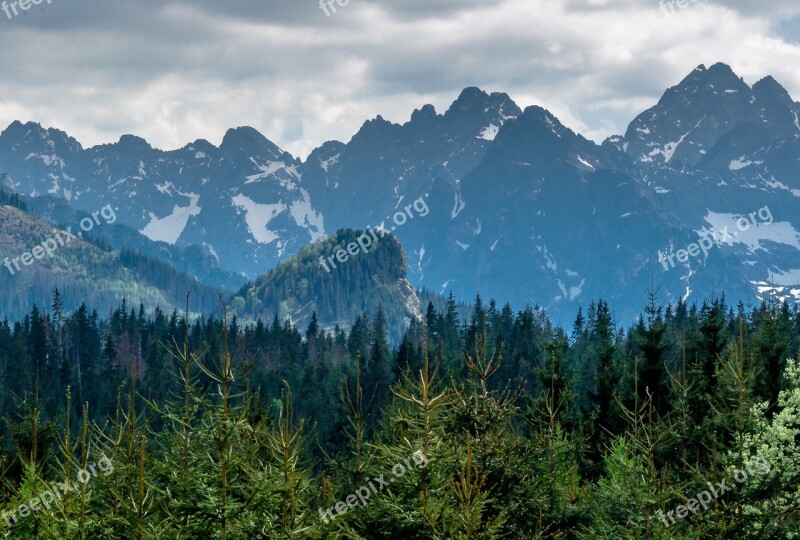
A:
x: 326, y: 151
x: 34, y: 133
x: 722, y: 72
x: 18, y: 129
x: 540, y: 122
x: 374, y: 130
x: 695, y: 115
x: 472, y: 93
x: 471, y: 99
x: 133, y: 143
x: 248, y: 140
x: 719, y: 72
x: 770, y: 90
x: 21, y: 129
x: 407, y: 159
x: 719, y: 80
x: 426, y: 114
x: 200, y: 145
x: 539, y: 113
x: 379, y: 120
x: 474, y: 101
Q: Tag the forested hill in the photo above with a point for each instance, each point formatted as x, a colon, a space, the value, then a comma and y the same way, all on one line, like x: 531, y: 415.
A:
x: 194, y: 261
x: 84, y: 269
x: 337, y: 292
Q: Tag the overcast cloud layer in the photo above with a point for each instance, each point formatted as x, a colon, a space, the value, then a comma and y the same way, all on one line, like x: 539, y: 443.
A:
x: 175, y: 71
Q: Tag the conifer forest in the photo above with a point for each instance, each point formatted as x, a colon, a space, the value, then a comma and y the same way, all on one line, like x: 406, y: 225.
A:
x: 481, y: 423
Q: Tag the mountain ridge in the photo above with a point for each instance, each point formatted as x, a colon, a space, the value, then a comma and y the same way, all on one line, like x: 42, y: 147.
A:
x: 509, y: 189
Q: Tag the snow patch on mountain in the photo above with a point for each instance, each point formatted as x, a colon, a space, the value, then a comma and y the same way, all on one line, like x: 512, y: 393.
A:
x: 779, y: 232
x: 489, y: 132
x: 48, y: 160
x: 55, y: 188
x: 563, y: 290
x: 212, y: 251
x: 786, y: 277
x: 458, y: 206
x: 738, y: 164
x: 257, y: 216
x: 669, y: 149
x: 553, y: 124
x: 305, y: 216
x: 269, y: 169
x: 586, y: 163
x: 549, y: 260
x: 169, y: 228
x: 166, y: 188
x: 328, y: 162
x: 775, y: 184
x: 781, y: 293
x: 575, y: 291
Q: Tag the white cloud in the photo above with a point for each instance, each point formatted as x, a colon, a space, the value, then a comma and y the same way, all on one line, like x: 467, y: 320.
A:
x: 176, y: 72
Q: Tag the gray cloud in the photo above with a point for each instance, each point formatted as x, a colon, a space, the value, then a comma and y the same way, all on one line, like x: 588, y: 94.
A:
x: 175, y: 71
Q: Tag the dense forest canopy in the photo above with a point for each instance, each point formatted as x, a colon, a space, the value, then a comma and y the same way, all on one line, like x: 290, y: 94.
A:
x: 499, y: 425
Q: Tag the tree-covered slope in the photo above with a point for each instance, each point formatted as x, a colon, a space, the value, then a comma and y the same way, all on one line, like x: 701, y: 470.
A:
x: 301, y: 285
x: 83, y: 269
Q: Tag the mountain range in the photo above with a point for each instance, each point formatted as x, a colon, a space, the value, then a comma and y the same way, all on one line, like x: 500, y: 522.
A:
x: 522, y: 208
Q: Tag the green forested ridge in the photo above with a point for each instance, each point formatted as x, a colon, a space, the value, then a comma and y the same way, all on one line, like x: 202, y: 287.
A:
x: 300, y: 286
x: 194, y: 261
x: 85, y: 269
x: 215, y: 429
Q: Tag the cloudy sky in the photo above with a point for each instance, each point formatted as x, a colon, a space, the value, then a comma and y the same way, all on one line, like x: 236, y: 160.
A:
x: 173, y: 71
